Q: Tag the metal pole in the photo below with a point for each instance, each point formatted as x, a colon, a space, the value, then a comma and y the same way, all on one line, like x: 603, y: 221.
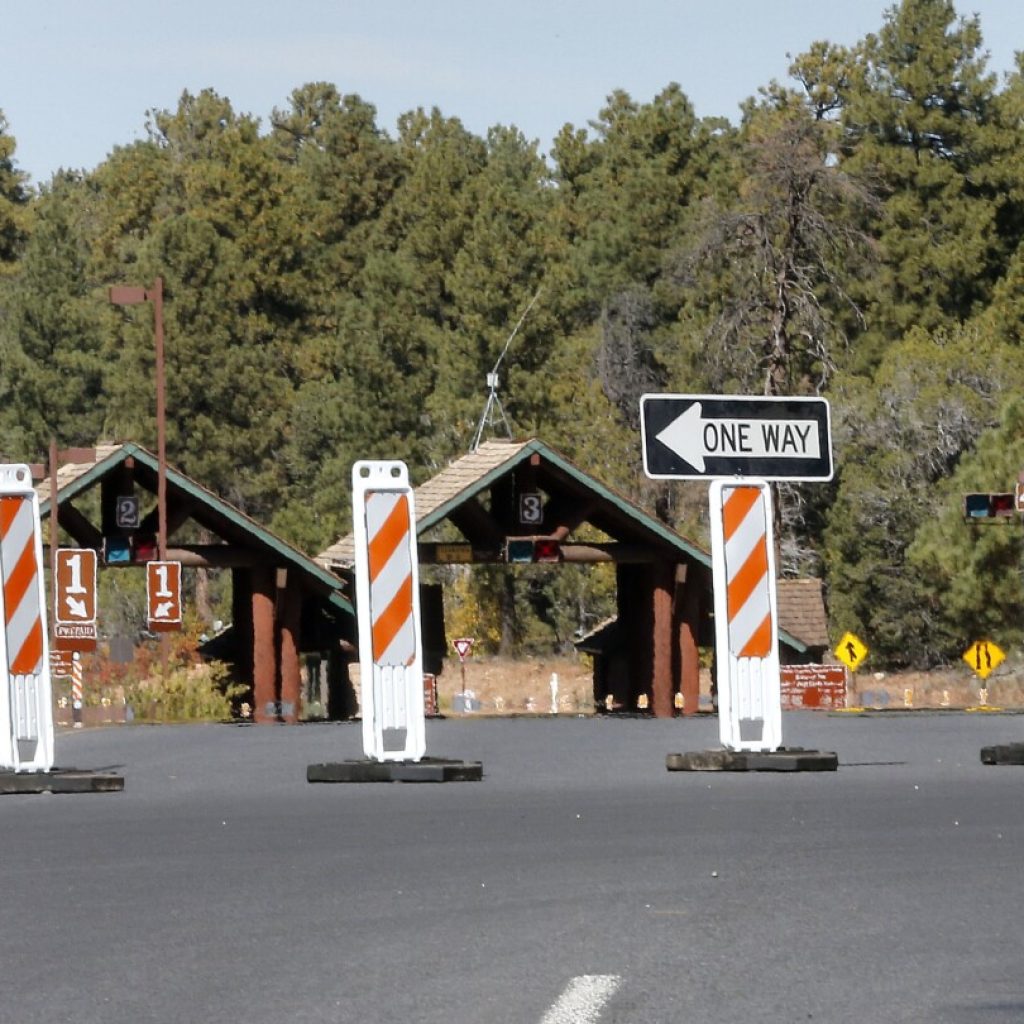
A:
x: 161, y: 419
x: 54, y: 537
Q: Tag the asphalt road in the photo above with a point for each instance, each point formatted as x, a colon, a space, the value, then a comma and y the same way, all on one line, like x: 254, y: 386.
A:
x: 578, y: 882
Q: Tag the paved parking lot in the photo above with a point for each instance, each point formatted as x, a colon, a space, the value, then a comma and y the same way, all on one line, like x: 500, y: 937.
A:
x: 579, y: 881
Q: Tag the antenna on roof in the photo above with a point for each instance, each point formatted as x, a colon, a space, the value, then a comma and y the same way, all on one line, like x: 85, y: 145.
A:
x: 490, y: 417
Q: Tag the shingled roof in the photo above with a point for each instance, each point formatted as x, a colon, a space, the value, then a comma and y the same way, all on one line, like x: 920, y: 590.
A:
x: 467, y: 476
x: 802, y: 611
x: 87, y: 466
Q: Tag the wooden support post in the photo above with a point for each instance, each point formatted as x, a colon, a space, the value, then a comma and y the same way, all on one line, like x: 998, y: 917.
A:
x: 289, y: 617
x: 662, y: 585
x: 688, y: 618
x: 634, y: 611
x: 264, y: 653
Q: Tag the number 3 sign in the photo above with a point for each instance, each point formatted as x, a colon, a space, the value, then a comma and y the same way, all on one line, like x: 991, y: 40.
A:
x: 531, y: 509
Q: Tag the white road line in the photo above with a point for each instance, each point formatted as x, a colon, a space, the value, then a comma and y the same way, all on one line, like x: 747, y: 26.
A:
x: 583, y: 999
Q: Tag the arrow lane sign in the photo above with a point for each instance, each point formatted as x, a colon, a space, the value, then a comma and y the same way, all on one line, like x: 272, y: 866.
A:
x: 693, y: 438
x: 689, y: 436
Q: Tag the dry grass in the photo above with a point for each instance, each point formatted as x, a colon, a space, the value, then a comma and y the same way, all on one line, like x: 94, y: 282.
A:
x: 500, y: 686
x: 503, y: 686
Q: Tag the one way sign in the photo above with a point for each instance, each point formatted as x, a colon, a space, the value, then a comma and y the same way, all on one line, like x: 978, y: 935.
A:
x: 700, y: 436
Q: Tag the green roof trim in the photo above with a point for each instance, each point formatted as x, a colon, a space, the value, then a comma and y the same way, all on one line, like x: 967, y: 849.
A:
x: 176, y: 479
x: 535, y: 447
x: 642, y: 518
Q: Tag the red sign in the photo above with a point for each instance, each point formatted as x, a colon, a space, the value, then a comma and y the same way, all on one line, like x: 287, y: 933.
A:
x: 61, y: 663
x: 163, y: 595
x: 813, y: 686
x: 463, y: 646
x: 74, y: 598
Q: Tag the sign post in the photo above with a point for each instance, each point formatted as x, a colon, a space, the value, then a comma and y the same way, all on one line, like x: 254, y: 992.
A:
x: 163, y: 596
x: 26, y: 709
x: 387, y: 606
x: 746, y: 617
x: 74, y: 599
x: 702, y: 436
x: 741, y: 443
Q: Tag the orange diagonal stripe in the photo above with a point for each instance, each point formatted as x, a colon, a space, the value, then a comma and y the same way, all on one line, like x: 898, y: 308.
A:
x: 760, y: 643
x: 747, y: 577
x: 31, y: 653
x: 391, y: 533
x: 19, y: 580
x: 8, y: 510
x: 740, y: 501
x: 392, y: 618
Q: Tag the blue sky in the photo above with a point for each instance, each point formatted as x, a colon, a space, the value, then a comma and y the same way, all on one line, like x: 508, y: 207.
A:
x: 79, y: 75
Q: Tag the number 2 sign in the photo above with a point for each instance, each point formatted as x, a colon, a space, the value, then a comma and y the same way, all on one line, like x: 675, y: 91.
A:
x: 163, y: 593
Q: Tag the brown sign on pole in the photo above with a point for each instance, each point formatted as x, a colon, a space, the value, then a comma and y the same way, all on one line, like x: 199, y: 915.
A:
x: 61, y: 663
x: 163, y: 593
x: 74, y: 599
x: 75, y: 590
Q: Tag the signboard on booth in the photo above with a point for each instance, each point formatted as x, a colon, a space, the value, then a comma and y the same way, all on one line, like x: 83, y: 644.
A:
x: 74, y: 599
x: 813, y: 686
x: 163, y: 596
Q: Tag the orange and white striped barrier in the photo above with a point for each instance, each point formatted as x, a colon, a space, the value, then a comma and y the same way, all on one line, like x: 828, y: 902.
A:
x: 26, y: 711
x: 746, y: 617
x: 388, y: 613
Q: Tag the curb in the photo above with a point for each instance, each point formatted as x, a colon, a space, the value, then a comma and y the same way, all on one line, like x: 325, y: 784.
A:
x: 793, y: 759
x: 430, y: 769
x: 60, y: 780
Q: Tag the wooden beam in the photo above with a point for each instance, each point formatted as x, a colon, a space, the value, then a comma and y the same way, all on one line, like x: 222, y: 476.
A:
x: 431, y: 553
x: 477, y: 524
x: 687, y: 617
x: 289, y: 619
x: 264, y: 650
x: 77, y: 526
x: 216, y: 556
x: 662, y: 587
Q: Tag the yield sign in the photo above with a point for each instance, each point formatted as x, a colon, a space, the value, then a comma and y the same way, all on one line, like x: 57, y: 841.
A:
x: 463, y: 645
x: 697, y: 436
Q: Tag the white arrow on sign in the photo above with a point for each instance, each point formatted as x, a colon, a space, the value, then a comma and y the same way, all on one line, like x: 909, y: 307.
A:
x: 163, y: 610
x: 76, y: 607
x: 694, y: 438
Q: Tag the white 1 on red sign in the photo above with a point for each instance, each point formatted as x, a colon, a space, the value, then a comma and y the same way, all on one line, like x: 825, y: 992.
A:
x: 163, y: 593
x: 463, y: 645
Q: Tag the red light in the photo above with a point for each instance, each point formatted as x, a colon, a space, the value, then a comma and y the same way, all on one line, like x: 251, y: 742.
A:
x: 547, y: 550
x: 1002, y: 504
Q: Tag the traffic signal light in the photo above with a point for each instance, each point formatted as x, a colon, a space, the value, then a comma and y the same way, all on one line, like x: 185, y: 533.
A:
x: 986, y: 507
x: 524, y: 550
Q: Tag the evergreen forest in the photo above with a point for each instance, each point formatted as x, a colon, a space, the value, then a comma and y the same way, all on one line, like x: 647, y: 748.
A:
x: 337, y: 291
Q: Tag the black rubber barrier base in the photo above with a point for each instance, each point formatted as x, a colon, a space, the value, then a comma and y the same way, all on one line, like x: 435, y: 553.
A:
x: 792, y: 759
x: 60, y: 780
x: 430, y: 769
x: 1007, y: 753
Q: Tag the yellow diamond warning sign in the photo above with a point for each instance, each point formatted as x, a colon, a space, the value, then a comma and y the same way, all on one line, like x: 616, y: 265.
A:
x: 983, y: 657
x: 851, y: 651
